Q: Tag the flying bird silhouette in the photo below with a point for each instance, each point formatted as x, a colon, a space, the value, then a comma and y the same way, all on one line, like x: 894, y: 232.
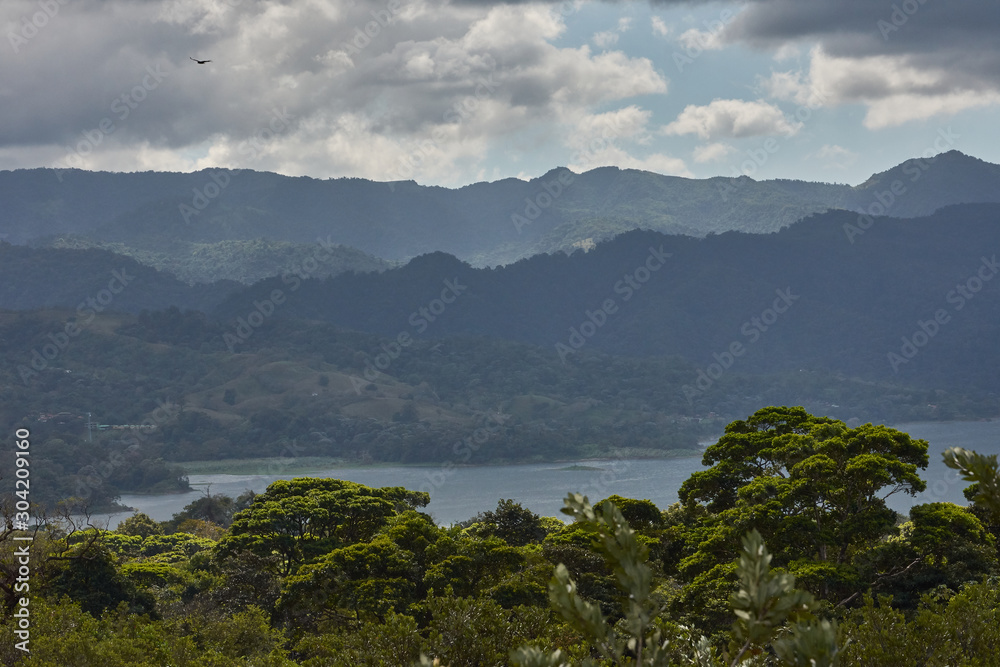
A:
x: 200, y: 62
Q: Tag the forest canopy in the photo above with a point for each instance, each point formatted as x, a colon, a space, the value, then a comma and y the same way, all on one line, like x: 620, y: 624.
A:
x: 781, y: 552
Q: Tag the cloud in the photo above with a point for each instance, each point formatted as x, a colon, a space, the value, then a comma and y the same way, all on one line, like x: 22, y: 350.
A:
x: 660, y: 28
x: 704, y: 40
x: 606, y: 38
x: 895, y: 88
x: 836, y: 156
x: 586, y: 133
x: 903, y: 61
x: 610, y: 37
x: 612, y: 138
x: 659, y: 163
x: 369, y: 86
x: 712, y: 152
x: 732, y: 118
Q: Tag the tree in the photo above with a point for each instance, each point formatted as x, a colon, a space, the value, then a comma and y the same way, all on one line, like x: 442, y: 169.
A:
x: 140, y: 525
x: 770, y: 612
x: 304, y: 518
x: 217, y: 509
x: 511, y: 522
x: 813, y: 487
x: 984, y: 471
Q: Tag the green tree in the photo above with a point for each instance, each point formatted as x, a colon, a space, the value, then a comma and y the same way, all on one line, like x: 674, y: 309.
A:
x: 304, y: 518
x: 514, y: 524
x: 771, y: 613
x: 942, y: 545
x: 140, y: 525
x: 815, y: 489
x: 984, y: 471
x: 355, y: 583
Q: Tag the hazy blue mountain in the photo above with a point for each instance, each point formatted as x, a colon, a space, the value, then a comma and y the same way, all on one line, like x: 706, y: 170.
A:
x: 33, y: 278
x: 483, y: 223
x: 850, y: 297
x: 243, y: 261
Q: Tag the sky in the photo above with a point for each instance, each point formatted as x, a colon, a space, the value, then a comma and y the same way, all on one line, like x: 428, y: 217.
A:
x: 454, y: 92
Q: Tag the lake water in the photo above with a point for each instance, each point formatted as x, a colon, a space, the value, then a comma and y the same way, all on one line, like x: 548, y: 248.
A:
x: 460, y: 493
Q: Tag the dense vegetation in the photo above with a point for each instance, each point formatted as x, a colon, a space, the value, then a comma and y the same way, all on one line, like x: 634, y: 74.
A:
x: 483, y: 223
x: 906, y: 303
x: 782, y: 552
x: 298, y: 389
x: 244, y: 261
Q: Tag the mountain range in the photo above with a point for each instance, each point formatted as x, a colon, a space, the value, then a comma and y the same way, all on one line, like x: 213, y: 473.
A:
x: 198, y: 224
x: 660, y: 308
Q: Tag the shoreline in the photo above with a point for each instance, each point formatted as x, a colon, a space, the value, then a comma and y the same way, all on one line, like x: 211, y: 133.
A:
x: 306, y: 464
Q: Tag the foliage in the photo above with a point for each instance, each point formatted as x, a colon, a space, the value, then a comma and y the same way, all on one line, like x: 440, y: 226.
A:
x: 982, y: 470
x: 947, y: 629
x: 327, y: 572
x: 304, y: 517
x: 139, y: 525
x: 813, y: 487
x: 769, y: 610
x: 510, y: 522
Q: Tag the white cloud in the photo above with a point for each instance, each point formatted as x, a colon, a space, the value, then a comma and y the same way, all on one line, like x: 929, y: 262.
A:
x: 606, y: 38
x: 629, y: 123
x: 660, y: 28
x: 435, y: 89
x: 732, y: 118
x: 712, y: 152
x: 894, y: 88
x: 610, y: 37
x: 788, y: 51
x: 836, y: 156
x: 615, y: 156
x: 705, y: 40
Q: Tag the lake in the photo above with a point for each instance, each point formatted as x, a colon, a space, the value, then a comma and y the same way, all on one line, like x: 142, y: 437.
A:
x: 459, y: 493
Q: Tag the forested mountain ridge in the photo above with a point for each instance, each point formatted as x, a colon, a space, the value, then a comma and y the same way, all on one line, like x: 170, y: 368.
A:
x: 483, y: 223
x: 909, y: 301
x: 828, y: 293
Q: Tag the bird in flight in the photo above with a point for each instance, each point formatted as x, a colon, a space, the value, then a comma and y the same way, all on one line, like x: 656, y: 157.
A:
x: 200, y: 62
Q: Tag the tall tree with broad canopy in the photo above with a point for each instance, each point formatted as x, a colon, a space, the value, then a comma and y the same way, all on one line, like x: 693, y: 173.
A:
x: 304, y: 518
x: 815, y: 489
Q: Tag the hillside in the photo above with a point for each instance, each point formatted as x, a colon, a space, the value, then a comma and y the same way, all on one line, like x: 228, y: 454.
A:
x: 93, y: 281
x: 152, y: 214
x: 852, y: 294
x: 298, y: 389
x: 242, y: 261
